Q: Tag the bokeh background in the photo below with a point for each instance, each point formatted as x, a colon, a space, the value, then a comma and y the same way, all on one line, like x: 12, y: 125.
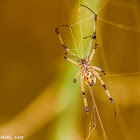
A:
x: 38, y: 97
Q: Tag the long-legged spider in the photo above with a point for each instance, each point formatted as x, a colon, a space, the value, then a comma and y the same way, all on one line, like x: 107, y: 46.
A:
x: 88, y: 73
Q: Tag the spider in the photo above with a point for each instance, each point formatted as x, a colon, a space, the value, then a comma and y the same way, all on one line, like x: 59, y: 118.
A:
x: 88, y: 73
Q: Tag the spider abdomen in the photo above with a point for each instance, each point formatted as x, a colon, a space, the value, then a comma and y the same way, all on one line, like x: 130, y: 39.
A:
x: 90, y: 78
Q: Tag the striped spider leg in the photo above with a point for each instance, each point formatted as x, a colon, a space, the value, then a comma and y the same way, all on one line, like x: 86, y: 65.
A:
x: 93, y: 68
x: 67, y: 50
x: 106, y: 90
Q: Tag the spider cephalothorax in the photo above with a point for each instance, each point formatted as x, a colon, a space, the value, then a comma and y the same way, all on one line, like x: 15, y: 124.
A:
x: 88, y: 73
x: 83, y: 61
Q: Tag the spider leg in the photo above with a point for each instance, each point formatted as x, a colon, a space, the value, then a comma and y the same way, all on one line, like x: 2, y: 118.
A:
x: 92, y: 54
x: 75, y: 79
x: 106, y: 90
x: 89, y: 48
x: 71, y: 60
x: 92, y: 38
x: 85, y: 100
x: 96, y: 68
x: 91, y: 92
x: 67, y: 50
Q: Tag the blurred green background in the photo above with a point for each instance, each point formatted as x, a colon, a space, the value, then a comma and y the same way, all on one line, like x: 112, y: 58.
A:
x: 38, y: 97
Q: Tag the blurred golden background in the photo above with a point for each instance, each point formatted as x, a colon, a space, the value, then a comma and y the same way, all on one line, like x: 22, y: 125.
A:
x: 38, y: 97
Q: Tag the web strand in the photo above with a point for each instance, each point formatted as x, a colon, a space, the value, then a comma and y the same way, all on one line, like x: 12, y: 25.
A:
x: 74, y: 42
x: 123, y: 74
x: 81, y: 32
x: 82, y: 21
x: 104, y: 133
x: 125, y: 27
